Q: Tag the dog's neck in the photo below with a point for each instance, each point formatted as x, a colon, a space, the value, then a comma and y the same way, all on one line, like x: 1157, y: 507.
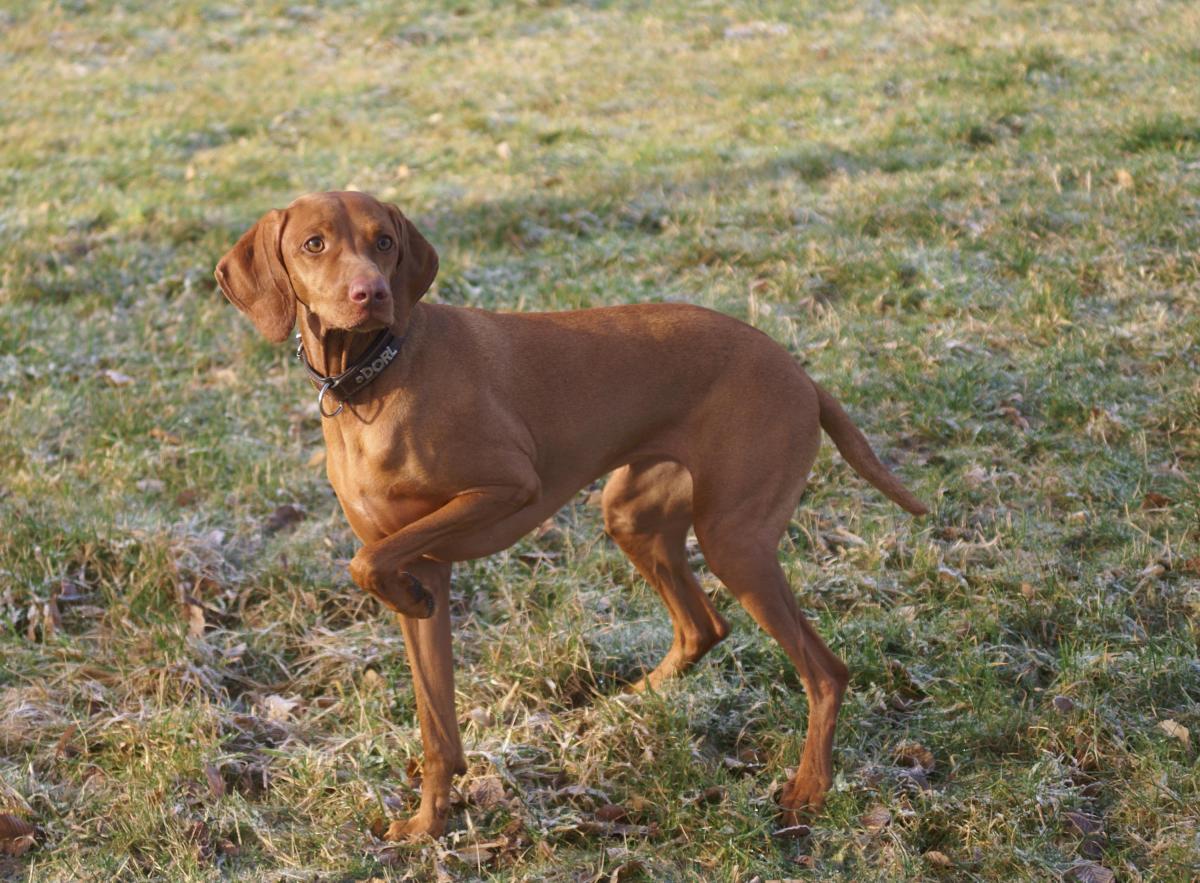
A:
x: 331, y: 351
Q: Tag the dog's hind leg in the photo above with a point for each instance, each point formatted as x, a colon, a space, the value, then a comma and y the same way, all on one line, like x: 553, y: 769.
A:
x: 647, y: 512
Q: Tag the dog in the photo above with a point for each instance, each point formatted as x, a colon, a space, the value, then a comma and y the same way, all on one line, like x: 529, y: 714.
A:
x: 451, y: 432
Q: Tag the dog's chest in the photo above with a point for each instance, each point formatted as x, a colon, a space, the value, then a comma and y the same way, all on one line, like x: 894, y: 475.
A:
x: 381, y: 485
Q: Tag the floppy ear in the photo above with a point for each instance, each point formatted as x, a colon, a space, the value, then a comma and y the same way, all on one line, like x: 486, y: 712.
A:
x: 418, y: 264
x: 254, y: 279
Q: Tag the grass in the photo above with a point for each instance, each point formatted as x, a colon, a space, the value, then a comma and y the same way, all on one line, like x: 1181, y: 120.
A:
x: 976, y: 223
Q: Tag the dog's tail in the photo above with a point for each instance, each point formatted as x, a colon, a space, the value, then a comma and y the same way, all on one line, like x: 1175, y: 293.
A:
x: 854, y: 446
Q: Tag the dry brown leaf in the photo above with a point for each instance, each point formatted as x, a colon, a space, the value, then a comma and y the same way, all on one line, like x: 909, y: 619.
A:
x: 216, y: 783
x: 876, y: 819
x: 914, y: 754
x: 1063, y: 704
x: 612, y: 812
x: 165, y: 437
x: 1176, y: 730
x: 473, y: 855
x: 65, y: 746
x: 1089, y: 872
x: 195, y: 618
x: 627, y: 871
x: 1154, y: 501
x: 486, y: 792
x: 1081, y: 823
x: 16, y: 835
x: 938, y: 859
x: 287, y: 515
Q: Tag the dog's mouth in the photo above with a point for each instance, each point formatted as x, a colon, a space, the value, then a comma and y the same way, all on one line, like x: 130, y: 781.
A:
x: 372, y: 315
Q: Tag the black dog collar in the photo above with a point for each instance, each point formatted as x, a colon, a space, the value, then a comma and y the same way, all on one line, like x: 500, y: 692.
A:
x: 381, y: 353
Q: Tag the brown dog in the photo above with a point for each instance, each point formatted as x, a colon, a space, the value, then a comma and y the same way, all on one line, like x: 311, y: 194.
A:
x: 484, y: 424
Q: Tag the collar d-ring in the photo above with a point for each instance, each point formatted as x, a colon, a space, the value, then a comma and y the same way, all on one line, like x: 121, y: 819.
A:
x: 325, y: 387
x: 381, y: 352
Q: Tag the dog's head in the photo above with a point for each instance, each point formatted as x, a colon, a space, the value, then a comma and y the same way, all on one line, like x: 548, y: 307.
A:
x: 356, y: 263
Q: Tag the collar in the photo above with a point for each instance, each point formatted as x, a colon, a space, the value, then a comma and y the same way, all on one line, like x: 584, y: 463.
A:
x: 381, y: 353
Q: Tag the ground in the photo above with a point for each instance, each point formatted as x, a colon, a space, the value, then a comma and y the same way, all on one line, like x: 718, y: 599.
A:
x: 976, y: 223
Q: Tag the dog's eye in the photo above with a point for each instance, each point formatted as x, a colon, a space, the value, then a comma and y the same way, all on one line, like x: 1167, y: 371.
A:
x: 314, y: 245
x: 384, y: 243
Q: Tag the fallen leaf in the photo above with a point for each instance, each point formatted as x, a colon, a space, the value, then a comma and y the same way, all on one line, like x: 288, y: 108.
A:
x: 938, y: 859
x: 715, y: 794
x: 914, y: 754
x: 116, y: 378
x: 1063, y: 704
x: 1081, y: 824
x: 216, y: 784
x: 627, y: 870
x: 1154, y: 501
x: 165, y: 437
x: 1124, y: 179
x: 16, y: 835
x: 1176, y: 730
x: 1015, y: 417
x: 195, y: 618
x: 916, y: 776
x: 287, y: 515
x: 151, y: 486
x: 278, y: 708
x: 486, y: 792
x: 65, y: 746
x: 480, y: 716
x: 612, y: 812
x: 1089, y: 872
x: 875, y: 820
x: 473, y: 855
x: 187, y: 497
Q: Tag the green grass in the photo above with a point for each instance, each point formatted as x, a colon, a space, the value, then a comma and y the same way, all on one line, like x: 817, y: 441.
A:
x: 976, y: 223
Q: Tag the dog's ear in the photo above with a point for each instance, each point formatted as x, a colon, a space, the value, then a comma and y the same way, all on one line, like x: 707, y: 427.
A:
x: 418, y: 263
x: 254, y: 279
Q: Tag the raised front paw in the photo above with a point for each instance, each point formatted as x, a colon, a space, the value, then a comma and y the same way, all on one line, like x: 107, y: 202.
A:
x: 399, y: 591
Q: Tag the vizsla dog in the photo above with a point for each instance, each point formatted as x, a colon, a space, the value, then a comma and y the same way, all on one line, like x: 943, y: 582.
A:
x: 452, y: 432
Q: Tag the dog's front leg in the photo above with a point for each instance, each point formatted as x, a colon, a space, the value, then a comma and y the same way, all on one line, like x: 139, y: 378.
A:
x: 380, y: 567
x: 427, y: 643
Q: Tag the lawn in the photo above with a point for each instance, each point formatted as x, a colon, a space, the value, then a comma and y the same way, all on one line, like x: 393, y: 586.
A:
x: 977, y: 224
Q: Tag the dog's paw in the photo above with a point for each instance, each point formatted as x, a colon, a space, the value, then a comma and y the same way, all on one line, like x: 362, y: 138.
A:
x: 415, y: 828
x: 801, y: 800
x: 401, y: 592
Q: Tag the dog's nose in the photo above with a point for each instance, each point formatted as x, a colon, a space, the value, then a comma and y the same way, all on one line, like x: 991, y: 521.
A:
x: 367, y: 288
